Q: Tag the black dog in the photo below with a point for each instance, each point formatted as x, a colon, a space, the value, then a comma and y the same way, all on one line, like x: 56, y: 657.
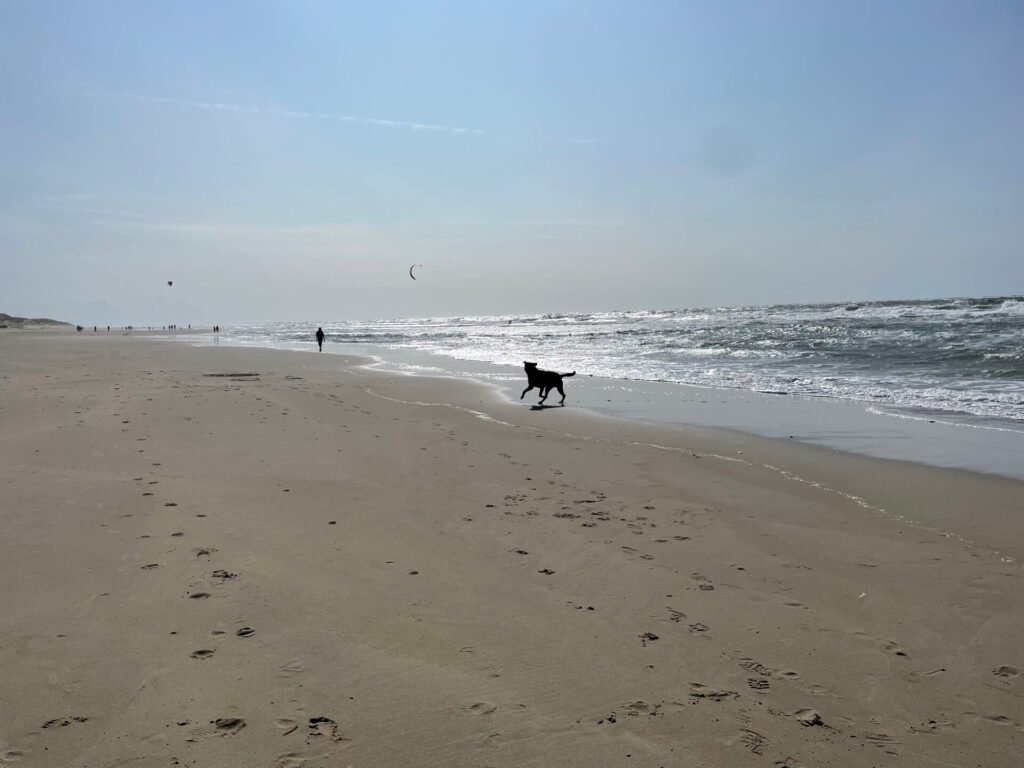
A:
x: 545, y: 381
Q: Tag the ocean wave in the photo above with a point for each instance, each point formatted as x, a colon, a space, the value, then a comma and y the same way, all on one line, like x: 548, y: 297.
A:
x: 959, y: 354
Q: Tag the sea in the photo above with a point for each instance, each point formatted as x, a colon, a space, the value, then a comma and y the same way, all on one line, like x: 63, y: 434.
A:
x: 959, y: 356
x: 957, y: 362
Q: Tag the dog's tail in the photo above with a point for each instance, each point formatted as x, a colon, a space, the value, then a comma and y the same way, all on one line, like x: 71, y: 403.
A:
x: 564, y: 375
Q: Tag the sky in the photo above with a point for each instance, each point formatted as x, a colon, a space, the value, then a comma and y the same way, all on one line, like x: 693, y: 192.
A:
x: 290, y: 159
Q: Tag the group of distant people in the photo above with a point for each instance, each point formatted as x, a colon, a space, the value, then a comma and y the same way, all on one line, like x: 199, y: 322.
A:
x: 129, y: 328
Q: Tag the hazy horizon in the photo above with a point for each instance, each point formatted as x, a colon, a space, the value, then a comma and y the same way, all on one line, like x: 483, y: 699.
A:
x: 139, y: 325
x: 292, y: 160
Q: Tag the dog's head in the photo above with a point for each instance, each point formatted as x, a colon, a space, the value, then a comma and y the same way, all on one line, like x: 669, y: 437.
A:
x: 529, y: 366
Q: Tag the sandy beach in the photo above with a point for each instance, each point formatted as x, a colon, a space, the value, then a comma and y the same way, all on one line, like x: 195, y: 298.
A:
x: 240, y: 557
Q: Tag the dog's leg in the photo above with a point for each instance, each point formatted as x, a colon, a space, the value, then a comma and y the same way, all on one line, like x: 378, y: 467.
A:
x: 561, y: 392
x: 544, y: 395
x: 525, y: 391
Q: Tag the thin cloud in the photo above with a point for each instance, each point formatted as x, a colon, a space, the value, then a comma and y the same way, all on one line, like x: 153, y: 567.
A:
x: 218, y: 106
x: 229, y: 231
x: 570, y: 222
x: 121, y: 218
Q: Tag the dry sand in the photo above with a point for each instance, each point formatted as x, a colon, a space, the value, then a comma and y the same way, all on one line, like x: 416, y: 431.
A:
x: 324, y: 565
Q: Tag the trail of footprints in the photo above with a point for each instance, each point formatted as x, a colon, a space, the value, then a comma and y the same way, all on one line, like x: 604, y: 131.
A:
x: 591, y: 510
x: 318, y: 735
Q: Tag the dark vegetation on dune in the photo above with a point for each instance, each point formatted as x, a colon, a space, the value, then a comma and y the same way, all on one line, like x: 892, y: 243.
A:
x: 10, y: 321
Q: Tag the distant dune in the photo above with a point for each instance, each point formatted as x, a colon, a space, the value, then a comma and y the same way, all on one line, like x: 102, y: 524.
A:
x: 9, y: 321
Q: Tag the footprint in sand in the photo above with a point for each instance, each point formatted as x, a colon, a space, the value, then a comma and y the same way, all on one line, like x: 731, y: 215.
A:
x: 890, y: 646
x: 291, y: 760
x: 820, y: 690
x: 894, y: 648
x: 1002, y: 720
x: 934, y: 726
x: 8, y: 755
x: 640, y: 707
x: 753, y: 665
x: 1006, y: 671
x: 742, y: 716
x: 482, y: 663
x: 222, y: 726
x: 202, y: 654
x: 290, y: 668
x: 699, y: 691
x: 808, y: 717
x: 917, y: 677
x: 480, y: 708
x: 63, y: 722
x: 301, y: 759
x: 323, y: 727
x: 885, y: 742
x: 753, y: 741
x: 286, y: 725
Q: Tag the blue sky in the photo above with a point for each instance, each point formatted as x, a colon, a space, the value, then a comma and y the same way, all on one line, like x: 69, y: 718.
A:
x: 289, y: 160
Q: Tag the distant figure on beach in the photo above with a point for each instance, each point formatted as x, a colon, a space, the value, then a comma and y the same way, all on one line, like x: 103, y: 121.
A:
x: 320, y: 338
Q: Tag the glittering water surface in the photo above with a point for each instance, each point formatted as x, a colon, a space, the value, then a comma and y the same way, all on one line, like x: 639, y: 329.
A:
x: 950, y: 355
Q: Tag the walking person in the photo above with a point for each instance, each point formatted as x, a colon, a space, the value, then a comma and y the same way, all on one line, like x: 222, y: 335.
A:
x: 320, y: 338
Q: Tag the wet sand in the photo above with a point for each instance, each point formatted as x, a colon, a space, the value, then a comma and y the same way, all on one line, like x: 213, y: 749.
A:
x: 942, y: 439
x: 218, y: 556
